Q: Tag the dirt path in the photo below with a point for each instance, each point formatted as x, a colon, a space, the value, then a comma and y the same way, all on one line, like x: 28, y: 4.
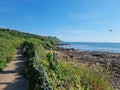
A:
x: 10, y: 78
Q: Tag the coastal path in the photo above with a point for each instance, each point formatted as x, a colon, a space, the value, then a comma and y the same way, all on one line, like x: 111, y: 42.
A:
x: 11, y: 78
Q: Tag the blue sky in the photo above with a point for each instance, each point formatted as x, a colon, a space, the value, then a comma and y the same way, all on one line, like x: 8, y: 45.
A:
x: 69, y: 20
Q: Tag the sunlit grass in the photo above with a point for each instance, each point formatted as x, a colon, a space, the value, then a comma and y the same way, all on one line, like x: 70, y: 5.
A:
x: 77, y: 76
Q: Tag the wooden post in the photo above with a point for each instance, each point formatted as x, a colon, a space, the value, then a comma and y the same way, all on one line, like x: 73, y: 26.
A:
x: 55, y: 57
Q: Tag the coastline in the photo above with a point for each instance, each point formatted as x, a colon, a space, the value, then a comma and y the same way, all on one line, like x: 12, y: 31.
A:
x: 92, y: 46
x: 108, y: 60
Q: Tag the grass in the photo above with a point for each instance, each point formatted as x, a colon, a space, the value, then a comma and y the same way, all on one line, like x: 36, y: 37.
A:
x: 76, y: 76
x: 66, y: 74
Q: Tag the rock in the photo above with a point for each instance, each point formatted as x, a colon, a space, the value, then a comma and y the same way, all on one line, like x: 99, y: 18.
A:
x: 102, y: 58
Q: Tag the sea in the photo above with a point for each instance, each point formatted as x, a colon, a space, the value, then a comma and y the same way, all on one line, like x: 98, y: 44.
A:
x: 93, y: 46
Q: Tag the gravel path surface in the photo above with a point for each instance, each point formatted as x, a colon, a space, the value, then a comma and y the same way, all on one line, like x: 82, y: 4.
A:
x: 10, y: 78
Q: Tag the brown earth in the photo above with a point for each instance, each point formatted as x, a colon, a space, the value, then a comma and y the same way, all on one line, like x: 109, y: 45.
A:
x: 11, y: 78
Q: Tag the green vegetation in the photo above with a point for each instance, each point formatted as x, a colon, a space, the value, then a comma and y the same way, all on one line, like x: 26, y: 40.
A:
x: 72, y: 76
x: 8, y: 44
x: 62, y: 75
x: 11, y: 39
x: 42, y: 70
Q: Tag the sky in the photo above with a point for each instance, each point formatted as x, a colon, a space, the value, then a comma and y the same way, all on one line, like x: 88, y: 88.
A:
x: 69, y: 20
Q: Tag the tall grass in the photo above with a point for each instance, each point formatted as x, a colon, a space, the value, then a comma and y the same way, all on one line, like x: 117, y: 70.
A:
x: 74, y: 76
x: 68, y: 75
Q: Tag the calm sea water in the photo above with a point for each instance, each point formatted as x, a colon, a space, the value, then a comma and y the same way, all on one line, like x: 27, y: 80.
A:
x: 90, y: 46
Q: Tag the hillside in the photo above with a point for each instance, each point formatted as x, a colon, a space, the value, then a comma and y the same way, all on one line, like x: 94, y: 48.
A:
x: 7, y: 33
x: 11, y: 39
x: 46, y: 68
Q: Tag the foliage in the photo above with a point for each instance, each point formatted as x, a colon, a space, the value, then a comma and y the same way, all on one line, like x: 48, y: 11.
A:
x: 29, y: 71
x: 7, y: 48
x: 36, y: 78
x: 72, y: 76
x: 14, y: 33
x: 62, y: 75
x: 11, y: 39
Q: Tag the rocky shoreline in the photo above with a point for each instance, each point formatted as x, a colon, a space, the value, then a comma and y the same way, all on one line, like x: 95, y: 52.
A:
x: 104, y: 59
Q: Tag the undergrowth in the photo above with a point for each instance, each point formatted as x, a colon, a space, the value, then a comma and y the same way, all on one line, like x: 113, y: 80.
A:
x: 62, y: 75
x: 67, y: 76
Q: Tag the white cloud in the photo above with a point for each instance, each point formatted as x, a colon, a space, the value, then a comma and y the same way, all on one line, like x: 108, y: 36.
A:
x: 57, y: 32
